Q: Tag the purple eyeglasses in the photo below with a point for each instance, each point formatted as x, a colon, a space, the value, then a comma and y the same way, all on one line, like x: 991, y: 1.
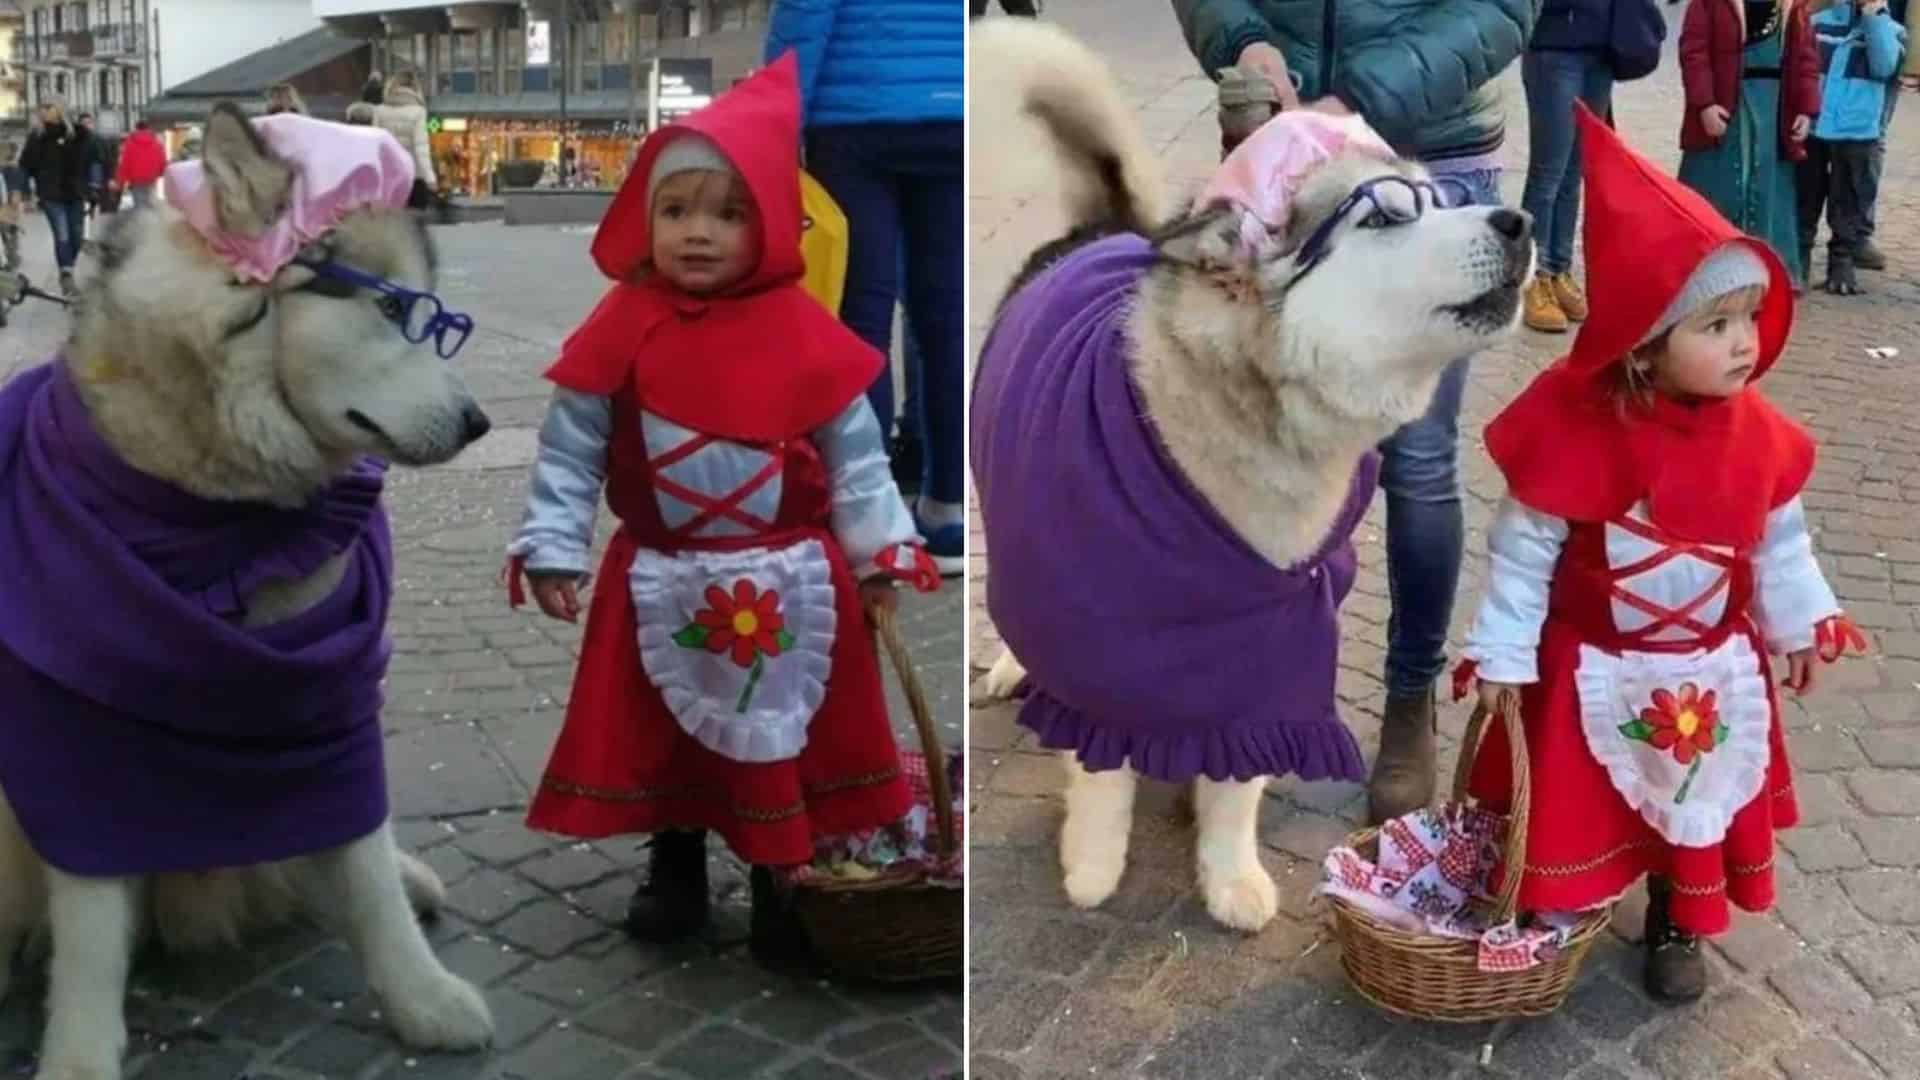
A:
x: 1391, y: 201
x: 419, y: 315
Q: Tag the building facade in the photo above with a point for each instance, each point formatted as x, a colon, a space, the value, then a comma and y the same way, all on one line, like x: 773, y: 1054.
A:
x: 13, y: 73
x: 555, y: 89
x: 109, y: 57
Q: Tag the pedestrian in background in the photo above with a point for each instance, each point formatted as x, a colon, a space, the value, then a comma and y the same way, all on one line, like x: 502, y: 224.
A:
x: 143, y: 161
x: 14, y: 204
x: 1864, y: 46
x: 55, y: 161
x: 403, y: 113
x: 1752, y: 78
x: 882, y: 87
x: 285, y: 98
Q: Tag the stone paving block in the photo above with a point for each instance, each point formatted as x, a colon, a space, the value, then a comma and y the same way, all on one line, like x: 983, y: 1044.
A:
x: 1887, y: 1036
x: 1757, y: 943
x: 1747, y: 1019
x: 1886, y: 794
x: 194, y: 1059
x: 487, y: 895
x: 503, y: 844
x: 571, y: 867
x: 1890, y: 749
x: 1824, y: 847
x: 1685, y: 1050
x: 1815, y: 986
x: 920, y: 1056
x: 548, y: 928
x: 336, y: 1050
x: 798, y: 1014
x: 721, y: 1052
x: 1406, y: 1055
x: 1890, y: 842
x: 1888, y: 897
x: 1818, y: 909
x: 568, y: 1055
x: 482, y: 962
x: 1886, y: 963
x: 1009, y: 1010
x: 1821, y: 1057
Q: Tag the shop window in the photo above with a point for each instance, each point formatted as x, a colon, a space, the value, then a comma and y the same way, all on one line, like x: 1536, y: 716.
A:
x: 513, y: 46
x: 729, y: 14
x: 488, y: 60
x: 592, y: 54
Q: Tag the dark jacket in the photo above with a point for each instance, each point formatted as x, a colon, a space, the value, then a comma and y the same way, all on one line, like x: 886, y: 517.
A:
x: 1574, y: 26
x: 1419, y: 71
x: 56, y: 160
x: 1713, y: 40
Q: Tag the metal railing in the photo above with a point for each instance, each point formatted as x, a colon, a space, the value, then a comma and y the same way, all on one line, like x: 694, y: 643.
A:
x: 118, y: 41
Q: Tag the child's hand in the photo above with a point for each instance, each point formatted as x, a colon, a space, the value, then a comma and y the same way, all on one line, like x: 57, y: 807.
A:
x: 878, y: 592
x: 557, y: 595
x: 1873, y: 7
x: 1714, y: 118
x: 1801, y: 665
x: 1801, y: 125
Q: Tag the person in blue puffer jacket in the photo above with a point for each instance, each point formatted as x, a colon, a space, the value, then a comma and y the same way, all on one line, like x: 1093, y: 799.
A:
x: 1567, y: 61
x: 882, y: 92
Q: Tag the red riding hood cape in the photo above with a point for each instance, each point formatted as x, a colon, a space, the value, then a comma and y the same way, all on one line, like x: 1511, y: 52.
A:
x: 1710, y: 471
x: 761, y: 362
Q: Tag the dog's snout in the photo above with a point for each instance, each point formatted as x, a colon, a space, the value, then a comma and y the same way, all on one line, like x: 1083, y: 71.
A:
x: 474, y: 423
x: 1515, y: 225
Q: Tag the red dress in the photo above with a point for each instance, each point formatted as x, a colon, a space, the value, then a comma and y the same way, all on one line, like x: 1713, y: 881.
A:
x: 624, y: 765
x: 1585, y: 844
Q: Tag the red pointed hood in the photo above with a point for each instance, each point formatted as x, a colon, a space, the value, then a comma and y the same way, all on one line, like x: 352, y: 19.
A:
x: 1645, y: 233
x: 762, y: 361
x: 1568, y: 446
x: 757, y: 125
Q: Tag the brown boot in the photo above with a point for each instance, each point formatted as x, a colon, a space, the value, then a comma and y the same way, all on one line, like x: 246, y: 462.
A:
x: 1541, y: 308
x: 1402, y: 779
x: 1573, y: 301
x: 1675, y: 972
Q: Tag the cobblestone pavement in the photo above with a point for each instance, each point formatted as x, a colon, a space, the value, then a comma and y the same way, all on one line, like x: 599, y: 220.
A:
x: 1826, y: 988
x: 474, y: 702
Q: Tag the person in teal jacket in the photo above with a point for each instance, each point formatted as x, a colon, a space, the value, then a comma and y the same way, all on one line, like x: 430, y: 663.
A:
x: 1421, y: 73
x: 882, y: 87
x: 1861, y: 47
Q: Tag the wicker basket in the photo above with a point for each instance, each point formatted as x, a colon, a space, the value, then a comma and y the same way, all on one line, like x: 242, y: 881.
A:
x: 1437, y: 978
x: 898, y: 927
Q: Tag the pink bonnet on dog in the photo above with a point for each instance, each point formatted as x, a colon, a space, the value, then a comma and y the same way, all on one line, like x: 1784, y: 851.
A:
x: 337, y: 169
x: 1264, y: 173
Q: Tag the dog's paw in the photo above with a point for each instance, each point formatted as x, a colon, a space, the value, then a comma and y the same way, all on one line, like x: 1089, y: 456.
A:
x: 440, y: 1012
x: 79, y: 1070
x: 1246, y: 901
x: 1090, y: 881
x: 425, y: 892
x: 1003, y: 678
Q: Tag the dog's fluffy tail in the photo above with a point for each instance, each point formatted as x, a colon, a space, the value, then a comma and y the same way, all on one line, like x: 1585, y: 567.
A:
x: 1026, y: 66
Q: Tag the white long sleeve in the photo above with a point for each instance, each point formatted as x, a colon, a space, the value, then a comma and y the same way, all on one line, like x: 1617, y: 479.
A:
x: 1790, y: 594
x: 556, y: 532
x: 869, y: 515
x: 1524, y: 547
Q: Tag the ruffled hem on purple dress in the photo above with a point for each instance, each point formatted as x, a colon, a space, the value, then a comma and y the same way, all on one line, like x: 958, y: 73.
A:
x: 1312, y: 752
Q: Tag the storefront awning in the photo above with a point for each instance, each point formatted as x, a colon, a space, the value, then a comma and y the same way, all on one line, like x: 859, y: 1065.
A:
x: 245, y: 81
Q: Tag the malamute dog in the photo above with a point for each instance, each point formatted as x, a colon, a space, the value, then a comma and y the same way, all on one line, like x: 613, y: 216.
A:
x: 232, y: 391
x: 1267, y: 368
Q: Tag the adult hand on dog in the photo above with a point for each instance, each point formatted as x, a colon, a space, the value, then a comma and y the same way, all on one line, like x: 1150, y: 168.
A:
x: 1272, y: 63
x: 1714, y: 118
x: 558, y: 595
x: 877, y: 592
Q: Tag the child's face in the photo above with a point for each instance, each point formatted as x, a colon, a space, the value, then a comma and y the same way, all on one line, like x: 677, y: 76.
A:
x: 706, y: 231
x: 1712, y: 352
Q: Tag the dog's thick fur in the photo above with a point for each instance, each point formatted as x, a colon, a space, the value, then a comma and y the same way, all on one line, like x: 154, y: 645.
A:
x: 265, y: 393
x: 1265, y: 391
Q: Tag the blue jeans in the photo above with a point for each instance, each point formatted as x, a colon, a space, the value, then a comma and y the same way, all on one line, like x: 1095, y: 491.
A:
x: 1426, y: 526
x: 902, y: 186
x: 1554, y: 80
x: 68, y: 220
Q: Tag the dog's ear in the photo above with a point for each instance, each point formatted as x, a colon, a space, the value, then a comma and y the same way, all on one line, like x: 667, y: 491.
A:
x: 249, y: 183
x: 1212, y: 243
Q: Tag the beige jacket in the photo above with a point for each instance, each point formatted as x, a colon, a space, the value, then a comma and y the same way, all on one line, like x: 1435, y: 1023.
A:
x: 405, y: 115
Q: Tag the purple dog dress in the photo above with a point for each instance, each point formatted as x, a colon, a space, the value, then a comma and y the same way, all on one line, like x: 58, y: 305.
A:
x: 1153, y: 636
x: 142, y: 728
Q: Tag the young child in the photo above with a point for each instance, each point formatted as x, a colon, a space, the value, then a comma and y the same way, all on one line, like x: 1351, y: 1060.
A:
x: 1861, y: 46
x: 1651, y: 553
x: 727, y: 680
x: 1752, y: 80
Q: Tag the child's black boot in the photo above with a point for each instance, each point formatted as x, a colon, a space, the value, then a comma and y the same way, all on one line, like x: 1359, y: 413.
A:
x: 778, y: 941
x: 672, y: 905
x: 1842, y: 280
x: 1676, y: 969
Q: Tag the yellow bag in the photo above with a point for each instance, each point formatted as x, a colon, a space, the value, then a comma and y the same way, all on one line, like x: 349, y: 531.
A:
x: 823, y: 244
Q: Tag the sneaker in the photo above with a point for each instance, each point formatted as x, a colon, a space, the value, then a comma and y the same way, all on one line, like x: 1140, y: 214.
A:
x: 1869, y: 257
x: 1573, y: 301
x: 946, y: 545
x: 1542, y: 308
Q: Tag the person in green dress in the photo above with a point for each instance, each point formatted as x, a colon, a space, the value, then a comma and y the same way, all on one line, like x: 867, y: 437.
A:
x: 1751, y: 72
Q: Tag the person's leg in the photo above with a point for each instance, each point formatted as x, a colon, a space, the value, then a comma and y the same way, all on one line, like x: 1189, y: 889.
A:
x: 1596, y: 92
x: 1551, y: 81
x: 935, y: 205
x: 1810, y: 191
x: 1848, y: 188
x: 1869, y: 256
x: 142, y: 196
x: 847, y: 161
x: 1425, y: 533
